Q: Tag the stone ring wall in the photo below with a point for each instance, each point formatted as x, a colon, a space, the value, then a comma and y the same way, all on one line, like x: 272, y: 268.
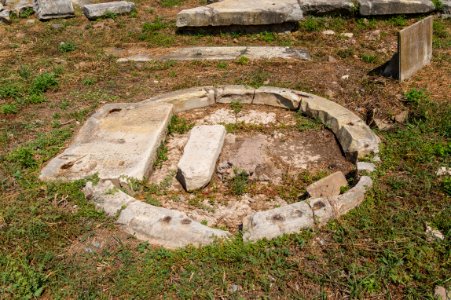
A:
x: 173, y: 229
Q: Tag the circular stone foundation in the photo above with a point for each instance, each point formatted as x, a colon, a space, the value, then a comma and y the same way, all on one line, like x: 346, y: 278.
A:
x: 281, y: 168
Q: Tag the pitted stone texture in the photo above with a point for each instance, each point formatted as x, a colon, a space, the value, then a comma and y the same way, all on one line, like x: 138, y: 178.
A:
x: 5, y: 16
x: 198, y: 162
x: 395, y: 7
x: 238, y: 12
x: 187, y: 99
x: 94, y: 11
x: 322, y: 210
x: 118, y: 140
x: 323, y: 7
x: 365, y: 167
x: 160, y: 226
x: 277, y: 97
x: 352, y: 198
x: 356, y: 138
x: 278, y: 221
x: 54, y: 9
x: 235, y: 93
x: 166, y: 227
x: 328, y: 186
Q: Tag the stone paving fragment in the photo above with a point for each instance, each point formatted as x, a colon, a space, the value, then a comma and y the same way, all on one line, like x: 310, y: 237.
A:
x: 278, y: 221
x: 54, y: 9
x: 197, y: 165
x: 187, y: 99
x: 19, y: 6
x: 394, y: 7
x: 363, y: 166
x: 118, y: 140
x: 239, y: 12
x: 322, y: 210
x: 160, y: 226
x: 216, y: 53
x: 278, y: 97
x: 5, y: 16
x: 235, y: 93
x: 324, y: 7
x: 328, y: 186
x: 94, y: 11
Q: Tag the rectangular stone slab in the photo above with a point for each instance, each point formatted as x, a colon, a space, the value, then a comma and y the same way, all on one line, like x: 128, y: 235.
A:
x: 198, y: 161
x: 415, y: 47
x: 118, y: 140
x: 94, y: 11
x: 239, y: 12
x: 395, y: 7
x: 54, y: 9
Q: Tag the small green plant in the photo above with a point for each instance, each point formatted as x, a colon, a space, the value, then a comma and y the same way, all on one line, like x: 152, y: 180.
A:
x: 22, y: 156
x: 162, y: 155
x: 267, y: 36
x: 110, y: 15
x: 243, y: 60
x: 365, y: 23
x: 204, y: 222
x: 64, y: 47
x: 236, y: 106
x: 222, y: 65
x: 153, y: 201
x: 447, y: 185
x: 10, y: 91
x: 398, y: 21
x: 239, y: 183
x: 170, y: 3
x: 8, y: 109
x: 88, y: 81
x: 43, y: 82
x: 438, y: 4
x: 26, y: 12
x: 24, y: 72
x: 311, y: 24
x: 415, y: 96
x: 179, y: 125
x: 368, y: 58
x: 35, y: 99
x: 304, y: 124
x: 156, y: 25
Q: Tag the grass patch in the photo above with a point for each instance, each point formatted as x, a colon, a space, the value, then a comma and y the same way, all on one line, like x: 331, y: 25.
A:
x: 162, y: 156
x: 236, y: 106
x: 179, y: 125
x: 64, y: 47
x: 239, y: 184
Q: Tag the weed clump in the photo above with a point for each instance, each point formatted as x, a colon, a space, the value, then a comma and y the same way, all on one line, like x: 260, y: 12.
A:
x: 239, y: 183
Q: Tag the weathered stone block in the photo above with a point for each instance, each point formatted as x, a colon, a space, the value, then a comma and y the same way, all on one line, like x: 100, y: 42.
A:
x: 277, y: 97
x: 235, y: 93
x: 187, y: 99
x: 328, y: 186
x: 278, y: 221
x: 352, y: 198
x: 198, y: 162
x: 395, y: 7
x: 322, y: 210
x: 237, y: 12
x: 94, y: 11
x: 323, y: 7
x: 415, y: 47
x: 118, y: 140
x: 365, y: 167
x: 54, y: 9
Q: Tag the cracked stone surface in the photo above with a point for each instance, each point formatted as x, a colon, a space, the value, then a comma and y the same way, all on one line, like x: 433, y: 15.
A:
x: 238, y: 12
x: 94, y: 11
x: 118, y: 140
x: 394, y: 7
x: 54, y: 9
x: 197, y: 164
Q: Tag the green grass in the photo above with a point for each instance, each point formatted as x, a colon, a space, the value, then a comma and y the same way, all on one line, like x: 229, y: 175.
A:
x: 239, y: 183
x: 64, y: 47
x: 162, y: 156
x: 179, y: 125
x: 236, y: 106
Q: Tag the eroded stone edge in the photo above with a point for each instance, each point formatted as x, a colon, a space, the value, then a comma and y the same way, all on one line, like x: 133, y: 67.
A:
x: 161, y: 226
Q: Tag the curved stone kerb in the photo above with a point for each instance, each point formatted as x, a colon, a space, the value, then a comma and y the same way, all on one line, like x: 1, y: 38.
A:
x: 302, y: 215
x: 161, y: 226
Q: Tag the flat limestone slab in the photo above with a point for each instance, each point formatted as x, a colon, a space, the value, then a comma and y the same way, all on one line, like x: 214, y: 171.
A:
x: 239, y: 12
x: 216, y: 53
x: 198, y: 162
x: 323, y: 7
x: 54, y: 9
x: 394, y: 7
x: 94, y: 11
x: 118, y: 140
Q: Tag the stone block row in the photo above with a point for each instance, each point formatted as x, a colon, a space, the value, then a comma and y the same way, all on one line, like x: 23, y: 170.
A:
x: 247, y: 12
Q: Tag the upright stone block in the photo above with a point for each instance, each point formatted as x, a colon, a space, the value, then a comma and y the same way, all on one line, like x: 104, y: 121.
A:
x: 415, y: 47
x: 198, y: 162
x: 118, y: 140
